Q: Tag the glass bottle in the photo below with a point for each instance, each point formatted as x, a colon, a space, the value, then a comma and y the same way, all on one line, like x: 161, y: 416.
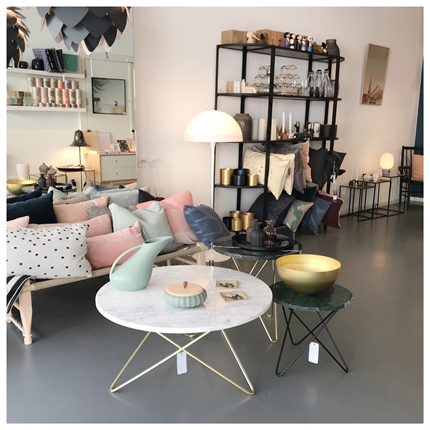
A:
x: 326, y: 84
x: 305, y: 87
x: 270, y: 233
x: 318, y: 84
x: 250, y: 229
x: 311, y: 83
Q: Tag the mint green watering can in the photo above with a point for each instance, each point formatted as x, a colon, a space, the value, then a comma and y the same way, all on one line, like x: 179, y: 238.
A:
x: 135, y: 273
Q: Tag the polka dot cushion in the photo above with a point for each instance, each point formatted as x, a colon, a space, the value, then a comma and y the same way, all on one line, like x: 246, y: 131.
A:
x: 49, y: 253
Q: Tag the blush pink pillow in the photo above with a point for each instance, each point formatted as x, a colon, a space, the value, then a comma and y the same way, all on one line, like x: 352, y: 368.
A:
x: 78, y: 212
x: 174, y: 209
x: 18, y: 222
x: 70, y: 201
x: 98, y: 226
x: 102, y: 251
x: 131, y: 185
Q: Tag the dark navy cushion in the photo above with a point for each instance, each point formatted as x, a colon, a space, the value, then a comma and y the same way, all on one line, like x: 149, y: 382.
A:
x: 40, y: 210
x: 309, y: 194
x: 205, y: 223
x: 316, y: 213
x: 27, y: 196
x: 276, y: 209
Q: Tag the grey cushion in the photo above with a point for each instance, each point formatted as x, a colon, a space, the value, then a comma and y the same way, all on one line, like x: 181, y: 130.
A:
x: 121, y: 198
x: 316, y: 213
x: 115, y: 190
x: 299, y: 167
x: 205, y: 223
x: 55, y: 252
x: 152, y: 219
x: 95, y: 211
x: 276, y: 209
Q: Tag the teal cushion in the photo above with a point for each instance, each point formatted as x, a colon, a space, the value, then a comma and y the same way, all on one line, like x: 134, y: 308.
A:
x: 152, y: 219
x: 40, y: 210
x: 27, y: 196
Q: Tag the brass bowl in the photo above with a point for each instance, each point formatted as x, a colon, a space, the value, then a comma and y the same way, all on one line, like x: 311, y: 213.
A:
x: 308, y: 273
x: 14, y: 186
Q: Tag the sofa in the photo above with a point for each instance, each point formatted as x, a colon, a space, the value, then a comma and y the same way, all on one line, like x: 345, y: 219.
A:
x: 91, y: 229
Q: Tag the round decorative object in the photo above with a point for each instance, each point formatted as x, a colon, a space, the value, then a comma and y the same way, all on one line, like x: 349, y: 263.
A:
x: 235, y: 214
x: 308, y: 273
x: 23, y: 171
x: 41, y: 181
x: 236, y: 224
x: 226, y: 176
x: 185, y: 295
x: 15, y: 186
x: 43, y: 168
x: 376, y: 176
x: 245, y: 123
x: 250, y: 229
x: 270, y: 232
x: 332, y: 48
x: 252, y: 179
x: 257, y: 236
x: 246, y: 220
x: 50, y: 181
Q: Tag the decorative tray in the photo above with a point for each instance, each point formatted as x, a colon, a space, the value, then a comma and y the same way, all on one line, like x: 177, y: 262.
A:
x: 70, y: 169
x: 58, y: 186
x: 283, y: 243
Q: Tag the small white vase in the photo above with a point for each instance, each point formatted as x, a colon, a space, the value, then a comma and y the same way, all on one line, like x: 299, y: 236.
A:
x: 23, y: 171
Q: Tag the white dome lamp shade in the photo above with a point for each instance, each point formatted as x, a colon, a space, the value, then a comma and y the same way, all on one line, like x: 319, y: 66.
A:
x: 213, y: 126
x: 386, y: 162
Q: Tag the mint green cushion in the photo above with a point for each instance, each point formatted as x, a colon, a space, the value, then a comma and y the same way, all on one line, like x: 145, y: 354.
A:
x: 59, y: 195
x: 152, y: 219
x: 296, y: 213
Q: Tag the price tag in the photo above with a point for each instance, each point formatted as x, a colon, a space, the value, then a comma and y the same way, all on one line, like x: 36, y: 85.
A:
x: 181, y: 363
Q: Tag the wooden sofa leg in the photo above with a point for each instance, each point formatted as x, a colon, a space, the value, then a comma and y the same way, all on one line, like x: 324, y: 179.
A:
x: 26, y: 312
x: 201, y: 258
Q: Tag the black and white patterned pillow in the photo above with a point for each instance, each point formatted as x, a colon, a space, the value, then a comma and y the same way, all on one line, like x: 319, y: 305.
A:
x: 48, y: 253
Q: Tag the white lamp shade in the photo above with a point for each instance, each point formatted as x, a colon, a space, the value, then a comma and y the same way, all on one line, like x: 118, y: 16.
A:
x: 213, y: 126
x: 387, y: 161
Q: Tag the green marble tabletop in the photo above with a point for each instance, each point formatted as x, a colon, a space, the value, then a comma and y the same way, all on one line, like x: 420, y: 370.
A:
x: 332, y: 299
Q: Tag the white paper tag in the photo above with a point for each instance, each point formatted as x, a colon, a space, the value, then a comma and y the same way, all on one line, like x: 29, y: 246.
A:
x: 314, y: 349
x: 181, y: 363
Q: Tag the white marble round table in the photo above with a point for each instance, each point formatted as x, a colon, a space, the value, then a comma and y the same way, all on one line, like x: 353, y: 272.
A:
x: 146, y: 309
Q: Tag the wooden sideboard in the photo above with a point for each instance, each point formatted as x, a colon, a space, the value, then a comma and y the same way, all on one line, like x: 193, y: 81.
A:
x: 113, y: 168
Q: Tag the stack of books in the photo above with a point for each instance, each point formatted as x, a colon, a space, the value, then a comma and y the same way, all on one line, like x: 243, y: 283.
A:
x: 52, y: 59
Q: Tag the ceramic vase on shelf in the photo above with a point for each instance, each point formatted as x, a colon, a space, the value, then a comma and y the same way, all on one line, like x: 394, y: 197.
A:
x: 23, y: 171
x: 257, y: 236
x: 250, y: 229
x: 270, y: 233
x: 43, y: 168
x: 135, y: 273
x: 41, y: 181
x: 332, y: 48
x: 245, y: 123
x: 50, y: 181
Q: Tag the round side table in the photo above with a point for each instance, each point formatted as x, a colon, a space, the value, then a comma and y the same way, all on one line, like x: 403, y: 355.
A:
x: 331, y: 300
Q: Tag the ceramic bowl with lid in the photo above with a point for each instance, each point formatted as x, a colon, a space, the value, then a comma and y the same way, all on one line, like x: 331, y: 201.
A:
x: 185, y: 295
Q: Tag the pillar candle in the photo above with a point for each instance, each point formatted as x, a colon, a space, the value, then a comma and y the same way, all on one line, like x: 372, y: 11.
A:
x: 262, y: 129
x: 273, y: 131
x: 254, y: 128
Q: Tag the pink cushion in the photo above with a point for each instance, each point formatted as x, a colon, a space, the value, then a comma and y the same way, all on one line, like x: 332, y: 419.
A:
x: 417, y: 167
x: 70, y: 201
x: 102, y: 251
x: 134, y: 184
x: 174, y: 209
x: 98, y: 226
x: 18, y: 222
x: 78, y: 212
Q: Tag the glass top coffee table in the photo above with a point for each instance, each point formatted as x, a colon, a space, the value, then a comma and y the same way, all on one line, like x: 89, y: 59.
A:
x: 146, y: 310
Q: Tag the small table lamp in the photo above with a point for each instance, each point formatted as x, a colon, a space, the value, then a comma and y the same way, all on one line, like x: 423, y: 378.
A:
x: 213, y: 126
x: 79, y: 141
x: 386, y: 162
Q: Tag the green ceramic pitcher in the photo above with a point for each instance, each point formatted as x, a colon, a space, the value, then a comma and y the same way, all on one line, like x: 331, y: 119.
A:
x: 135, y: 273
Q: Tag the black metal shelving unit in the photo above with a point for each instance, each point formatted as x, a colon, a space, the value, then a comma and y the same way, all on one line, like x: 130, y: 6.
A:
x: 273, y: 52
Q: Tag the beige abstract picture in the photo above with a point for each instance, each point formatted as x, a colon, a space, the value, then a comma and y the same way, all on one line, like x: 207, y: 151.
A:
x: 375, y: 73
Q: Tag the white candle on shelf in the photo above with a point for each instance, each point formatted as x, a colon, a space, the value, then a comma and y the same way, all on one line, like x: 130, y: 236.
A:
x: 273, y: 131
x: 254, y: 128
x: 290, y: 129
x: 262, y: 129
x: 283, y: 122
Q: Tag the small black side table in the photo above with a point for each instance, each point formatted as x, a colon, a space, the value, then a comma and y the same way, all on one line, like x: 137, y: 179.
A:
x: 331, y: 300
x: 362, y: 199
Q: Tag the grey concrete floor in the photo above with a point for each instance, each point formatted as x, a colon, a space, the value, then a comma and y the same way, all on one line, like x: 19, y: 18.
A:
x: 64, y: 377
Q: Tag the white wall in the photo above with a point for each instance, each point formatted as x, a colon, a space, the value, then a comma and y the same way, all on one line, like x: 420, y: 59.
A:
x: 36, y: 137
x: 175, y: 76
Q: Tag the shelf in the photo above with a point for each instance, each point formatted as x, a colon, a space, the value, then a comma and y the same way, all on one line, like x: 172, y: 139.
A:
x: 277, y: 96
x: 317, y: 139
x: 280, y: 51
x: 238, y: 186
x: 45, y: 109
x: 31, y: 72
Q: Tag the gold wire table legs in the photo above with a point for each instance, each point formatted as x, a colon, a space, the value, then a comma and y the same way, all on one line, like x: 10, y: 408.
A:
x: 274, y: 312
x: 250, y: 392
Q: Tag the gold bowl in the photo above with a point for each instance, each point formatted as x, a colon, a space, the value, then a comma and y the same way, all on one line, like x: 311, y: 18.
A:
x: 14, y: 186
x: 308, y: 273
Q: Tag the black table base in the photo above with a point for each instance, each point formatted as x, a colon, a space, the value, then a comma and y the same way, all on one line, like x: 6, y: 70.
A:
x: 311, y: 332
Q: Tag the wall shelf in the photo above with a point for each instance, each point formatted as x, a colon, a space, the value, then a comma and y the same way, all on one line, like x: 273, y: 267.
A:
x: 45, y: 109
x: 239, y: 186
x: 31, y: 72
x: 278, y: 96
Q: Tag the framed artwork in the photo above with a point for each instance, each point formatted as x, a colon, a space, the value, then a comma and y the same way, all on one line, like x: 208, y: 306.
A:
x: 108, y: 96
x: 123, y: 146
x: 375, y: 73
